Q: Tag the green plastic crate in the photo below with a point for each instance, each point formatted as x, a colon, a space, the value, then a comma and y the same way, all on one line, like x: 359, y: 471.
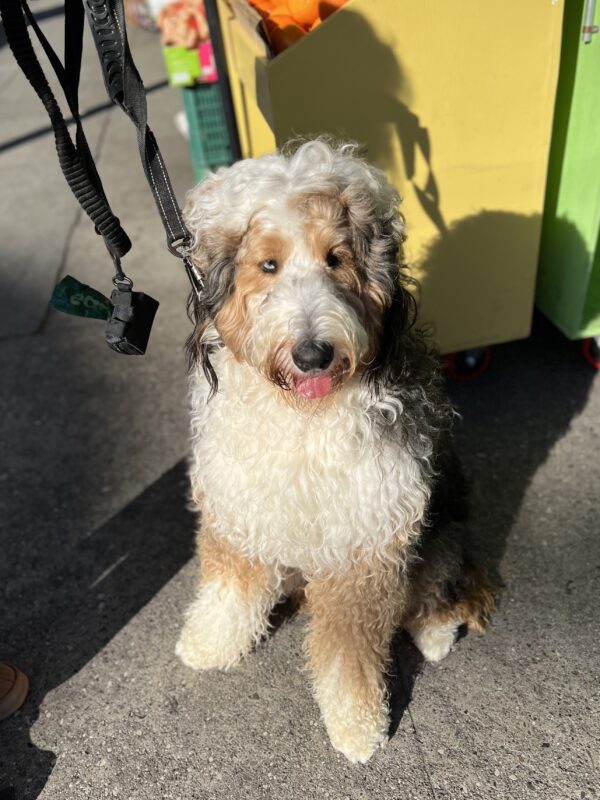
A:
x: 209, y: 140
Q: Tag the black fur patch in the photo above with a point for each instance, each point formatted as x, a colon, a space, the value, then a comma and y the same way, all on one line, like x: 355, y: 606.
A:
x: 219, y: 283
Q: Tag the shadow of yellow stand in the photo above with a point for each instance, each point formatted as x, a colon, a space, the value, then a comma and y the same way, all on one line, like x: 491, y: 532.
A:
x: 455, y: 102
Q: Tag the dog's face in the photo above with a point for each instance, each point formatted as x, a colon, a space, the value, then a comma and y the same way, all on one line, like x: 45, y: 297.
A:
x: 300, y: 257
x: 301, y: 310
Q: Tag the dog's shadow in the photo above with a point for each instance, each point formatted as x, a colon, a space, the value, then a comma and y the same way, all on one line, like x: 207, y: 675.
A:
x: 407, y: 663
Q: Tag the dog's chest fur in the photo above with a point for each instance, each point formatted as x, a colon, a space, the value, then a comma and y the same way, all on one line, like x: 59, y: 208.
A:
x: 308, y: 491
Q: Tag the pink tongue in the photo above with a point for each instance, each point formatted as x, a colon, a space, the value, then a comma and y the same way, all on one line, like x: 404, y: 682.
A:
x: 317, y: 386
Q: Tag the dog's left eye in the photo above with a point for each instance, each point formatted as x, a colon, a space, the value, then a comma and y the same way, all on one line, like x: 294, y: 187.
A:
x: 332, y: 260
x: 270, y: 265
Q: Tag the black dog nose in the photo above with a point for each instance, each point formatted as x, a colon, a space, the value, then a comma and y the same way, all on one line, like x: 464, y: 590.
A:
x: 312, y: 354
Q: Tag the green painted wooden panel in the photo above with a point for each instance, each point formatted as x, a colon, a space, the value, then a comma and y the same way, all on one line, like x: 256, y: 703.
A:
x: 568, y: 289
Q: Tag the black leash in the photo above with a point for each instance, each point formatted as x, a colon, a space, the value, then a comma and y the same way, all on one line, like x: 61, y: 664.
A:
x: 131, y: 313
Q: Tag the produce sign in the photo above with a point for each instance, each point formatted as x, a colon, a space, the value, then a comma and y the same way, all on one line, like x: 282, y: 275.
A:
x: 186, y: 43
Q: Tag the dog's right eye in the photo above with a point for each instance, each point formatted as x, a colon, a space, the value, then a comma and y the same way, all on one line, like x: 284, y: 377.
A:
x: 270, y: 265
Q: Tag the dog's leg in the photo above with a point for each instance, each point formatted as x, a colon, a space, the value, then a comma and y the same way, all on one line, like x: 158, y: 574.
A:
x: 353, y: 619
x: 434, y: 621
x: 230, y: 612
x: 445, y: 594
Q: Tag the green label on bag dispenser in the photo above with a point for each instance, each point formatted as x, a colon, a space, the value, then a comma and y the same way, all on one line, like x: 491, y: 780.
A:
x: 73, y: 297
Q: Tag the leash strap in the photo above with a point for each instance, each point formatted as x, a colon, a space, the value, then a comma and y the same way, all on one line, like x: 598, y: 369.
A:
x: 76, y: 162
x: 125, y: 88
x: 132, y: 312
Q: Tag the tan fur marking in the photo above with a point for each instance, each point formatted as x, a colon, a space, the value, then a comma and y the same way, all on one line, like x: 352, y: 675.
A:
x: 356, y: 609
x: 219, y: 561
x: 472, y: 608
x: 258, y: 246
x: 377, y: 301
x: 353, y: 619
x: 328, y: 230
x: 232, y: 604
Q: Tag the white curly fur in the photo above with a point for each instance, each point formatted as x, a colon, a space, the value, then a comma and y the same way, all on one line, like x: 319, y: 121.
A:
x: 308, y: 491
x: 233, y: 194
x: 221, y: 626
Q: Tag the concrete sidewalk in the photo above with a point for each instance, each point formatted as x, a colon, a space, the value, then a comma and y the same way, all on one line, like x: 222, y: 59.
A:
x: 95, y: 566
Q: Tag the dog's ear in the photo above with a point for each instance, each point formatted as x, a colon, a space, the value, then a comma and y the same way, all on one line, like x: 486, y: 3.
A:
x: 391, y: 361
x: 377, y: 228
x: 216, y: 227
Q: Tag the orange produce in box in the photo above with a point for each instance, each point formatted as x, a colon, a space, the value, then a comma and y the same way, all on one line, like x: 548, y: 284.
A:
x: 328, y: 7
x: 264, y: 7
x: 281, y: 7
x: 304, y: 12
x: 282, y: 31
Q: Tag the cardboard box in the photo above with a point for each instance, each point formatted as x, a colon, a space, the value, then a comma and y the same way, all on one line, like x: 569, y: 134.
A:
x: 455, y: 102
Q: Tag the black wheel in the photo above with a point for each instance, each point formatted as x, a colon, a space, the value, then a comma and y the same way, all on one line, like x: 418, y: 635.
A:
x: 465, y: 365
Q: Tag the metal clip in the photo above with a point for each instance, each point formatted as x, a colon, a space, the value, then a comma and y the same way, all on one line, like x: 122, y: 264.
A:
x: 181, y: 249
x: 121, y: 280
x: 195, y: 277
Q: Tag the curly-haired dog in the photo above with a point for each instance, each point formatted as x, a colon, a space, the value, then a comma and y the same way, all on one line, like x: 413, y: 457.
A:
x: 317, y: 432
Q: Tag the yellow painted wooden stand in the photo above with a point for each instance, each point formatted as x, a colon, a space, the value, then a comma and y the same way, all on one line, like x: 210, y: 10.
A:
x: 454, y: 100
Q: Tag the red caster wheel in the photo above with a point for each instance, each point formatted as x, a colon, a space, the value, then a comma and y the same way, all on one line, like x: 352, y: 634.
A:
x: 591, y: 351
x: 467, y: 364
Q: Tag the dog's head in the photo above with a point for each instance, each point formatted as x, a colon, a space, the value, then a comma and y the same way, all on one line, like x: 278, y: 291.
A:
x: 300, y: 255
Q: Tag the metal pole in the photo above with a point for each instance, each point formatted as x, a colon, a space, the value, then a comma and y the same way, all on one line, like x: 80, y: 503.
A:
x: 589, y: 29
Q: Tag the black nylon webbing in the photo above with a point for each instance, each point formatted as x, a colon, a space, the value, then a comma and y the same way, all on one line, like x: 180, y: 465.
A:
x: 74, y: 161
x: 68, y: 77
x: 125, y: 88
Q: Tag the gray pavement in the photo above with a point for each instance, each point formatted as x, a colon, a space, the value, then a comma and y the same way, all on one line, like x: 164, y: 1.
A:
x: 95, y: 566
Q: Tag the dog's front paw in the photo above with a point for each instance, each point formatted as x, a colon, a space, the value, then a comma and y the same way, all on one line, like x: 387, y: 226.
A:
x: 217, y: 633
x: 358, y: 733
x: 351, y: 696
x: 198, y: 650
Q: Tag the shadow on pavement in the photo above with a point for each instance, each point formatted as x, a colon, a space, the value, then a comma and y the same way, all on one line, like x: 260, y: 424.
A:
x: 82, y: 430
x: 46, y: 130
x: 120, y: 567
